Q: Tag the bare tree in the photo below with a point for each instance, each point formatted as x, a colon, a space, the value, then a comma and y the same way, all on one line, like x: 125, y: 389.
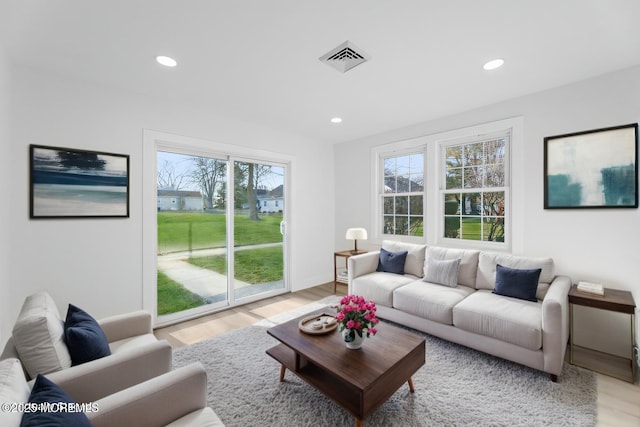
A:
x: 208, y: 174
x: 482, y: 165
x: 169, y: 178
x: 248, y: 178
x: 251, y: 193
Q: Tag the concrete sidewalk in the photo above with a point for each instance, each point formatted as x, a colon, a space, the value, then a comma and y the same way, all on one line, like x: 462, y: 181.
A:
x: 201, y: 281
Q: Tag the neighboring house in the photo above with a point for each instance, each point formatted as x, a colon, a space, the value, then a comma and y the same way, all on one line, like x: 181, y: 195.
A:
x: 272, y: 201
x: 176, y: 200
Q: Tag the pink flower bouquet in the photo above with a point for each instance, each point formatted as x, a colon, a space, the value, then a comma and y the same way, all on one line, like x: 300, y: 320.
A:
x: 356, y: 315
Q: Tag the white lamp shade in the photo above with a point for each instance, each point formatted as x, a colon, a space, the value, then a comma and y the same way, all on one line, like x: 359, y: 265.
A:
x: 356, y: 234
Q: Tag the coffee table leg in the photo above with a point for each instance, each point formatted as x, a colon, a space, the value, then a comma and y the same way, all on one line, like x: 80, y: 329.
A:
x: 359, y: 422
x: 283, y: 369
x: 411, y: 388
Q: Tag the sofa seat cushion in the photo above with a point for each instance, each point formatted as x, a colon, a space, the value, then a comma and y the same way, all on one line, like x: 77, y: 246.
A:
x: 131, y: 343
x: 38, y: 336
x: 13, y: 389
x: 429, y: 300
x: 512, y: 320
x: 379, y: 286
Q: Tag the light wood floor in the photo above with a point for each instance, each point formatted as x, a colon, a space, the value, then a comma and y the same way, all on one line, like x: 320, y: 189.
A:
x: 618, y: 401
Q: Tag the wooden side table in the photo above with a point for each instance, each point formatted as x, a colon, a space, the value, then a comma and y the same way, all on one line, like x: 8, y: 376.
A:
x: 612, y: 300
x: 346, y: 255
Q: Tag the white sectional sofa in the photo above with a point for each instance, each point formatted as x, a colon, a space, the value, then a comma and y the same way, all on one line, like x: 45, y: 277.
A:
x: 465, y: 309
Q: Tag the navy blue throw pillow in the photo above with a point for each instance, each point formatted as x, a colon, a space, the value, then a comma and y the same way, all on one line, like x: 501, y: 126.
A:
x: 516, y: 283
x: 84, y: 337
x: 392, y: 262
x: 65, y: 414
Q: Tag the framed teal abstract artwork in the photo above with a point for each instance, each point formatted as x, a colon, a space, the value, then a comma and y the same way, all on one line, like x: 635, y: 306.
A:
x: 592, y: 169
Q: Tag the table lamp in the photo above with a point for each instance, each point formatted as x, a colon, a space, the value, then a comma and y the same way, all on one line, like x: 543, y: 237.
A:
x: 355, y: 234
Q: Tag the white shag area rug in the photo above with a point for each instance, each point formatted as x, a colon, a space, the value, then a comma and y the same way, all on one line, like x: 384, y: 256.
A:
x: 457, y: 386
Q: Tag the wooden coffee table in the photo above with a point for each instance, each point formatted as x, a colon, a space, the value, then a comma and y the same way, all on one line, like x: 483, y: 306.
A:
x: 358, y: 380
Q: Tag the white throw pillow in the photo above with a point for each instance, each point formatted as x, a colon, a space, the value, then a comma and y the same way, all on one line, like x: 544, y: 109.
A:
x: 39, y: 336
x: 13, y: 390
x: 468, y: 262
x: 443, y: 272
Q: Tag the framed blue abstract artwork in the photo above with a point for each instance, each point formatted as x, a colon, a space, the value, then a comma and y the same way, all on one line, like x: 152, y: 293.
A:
x: 70, y: 183
x: 592, y: 169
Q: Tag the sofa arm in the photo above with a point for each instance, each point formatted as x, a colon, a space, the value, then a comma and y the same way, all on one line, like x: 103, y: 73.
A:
x: 101, y: 377
x: 359, y: 265
x: 156, y: 402
x: 126, y: 325
x: 555, y: 324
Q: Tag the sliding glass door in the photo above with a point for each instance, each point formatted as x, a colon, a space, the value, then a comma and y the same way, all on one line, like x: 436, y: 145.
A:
x: 258, y: 225
x: 217, y: 247
x: 192, y: 233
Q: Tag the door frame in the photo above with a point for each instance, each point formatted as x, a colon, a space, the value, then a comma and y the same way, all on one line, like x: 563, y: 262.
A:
x: 154, y: 141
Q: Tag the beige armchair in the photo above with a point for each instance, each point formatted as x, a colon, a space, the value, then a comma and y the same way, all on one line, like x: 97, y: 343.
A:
x: 177, y: 398
x: 38, y: 342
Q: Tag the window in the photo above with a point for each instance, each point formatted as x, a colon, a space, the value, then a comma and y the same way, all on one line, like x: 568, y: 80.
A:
x: 452, y: 188
x: 403, y: 195
x: 475, y: 188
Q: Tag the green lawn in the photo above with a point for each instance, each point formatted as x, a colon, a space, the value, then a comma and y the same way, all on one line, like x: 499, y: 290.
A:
x: 252, y: 265
x: 173, y: 297
x: 184, y: 231
x: 472, y: 230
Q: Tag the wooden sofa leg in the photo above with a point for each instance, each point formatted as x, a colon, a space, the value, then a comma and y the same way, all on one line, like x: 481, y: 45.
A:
x: 554, y: 378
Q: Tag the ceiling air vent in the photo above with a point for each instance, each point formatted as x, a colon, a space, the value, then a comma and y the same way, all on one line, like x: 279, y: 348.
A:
x: 345, y: 57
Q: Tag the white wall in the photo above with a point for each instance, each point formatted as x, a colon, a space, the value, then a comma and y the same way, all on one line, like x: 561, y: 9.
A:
x: 97, y: 263
x: 593, y: 245
x: 5, y: 191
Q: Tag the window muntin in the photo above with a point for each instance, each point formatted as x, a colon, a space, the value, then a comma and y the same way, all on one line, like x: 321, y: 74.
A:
x: 475, y: 189
x: 403, y: 195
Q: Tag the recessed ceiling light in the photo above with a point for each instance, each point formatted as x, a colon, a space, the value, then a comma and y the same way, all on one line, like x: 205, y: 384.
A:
x: 166, y: 61
x: 492, y: 65
x: 336, y: 120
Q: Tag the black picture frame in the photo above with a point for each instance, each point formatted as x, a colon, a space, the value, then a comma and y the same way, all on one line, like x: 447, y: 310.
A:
x: 592, y: 169
x: 75, y: 183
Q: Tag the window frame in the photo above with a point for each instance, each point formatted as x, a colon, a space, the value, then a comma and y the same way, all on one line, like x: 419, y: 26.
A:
x: 401, y: 194
x: 379, y: 154
x: 433, y: 208
x: 154, y: 141
x: 443, y: 190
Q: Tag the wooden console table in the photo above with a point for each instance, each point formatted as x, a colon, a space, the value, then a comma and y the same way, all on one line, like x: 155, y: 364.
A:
x: 346, y: 255
x: 612, y: 300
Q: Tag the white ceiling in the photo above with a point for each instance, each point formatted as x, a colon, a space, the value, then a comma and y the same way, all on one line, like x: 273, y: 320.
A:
x: 257, y: 60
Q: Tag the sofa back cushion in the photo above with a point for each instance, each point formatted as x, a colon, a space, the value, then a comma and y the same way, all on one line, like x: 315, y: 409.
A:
x: 487, y: 270
x: 468, y: 262
x: 414, y: 263
x: 38, y: 336
x: 13, y: 389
